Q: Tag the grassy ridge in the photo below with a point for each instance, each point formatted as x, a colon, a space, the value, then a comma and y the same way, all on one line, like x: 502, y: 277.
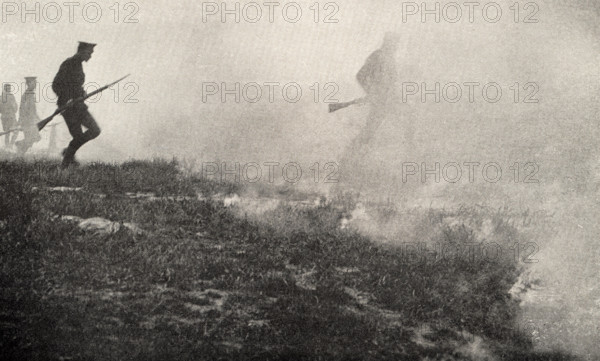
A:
x: 203, y: 283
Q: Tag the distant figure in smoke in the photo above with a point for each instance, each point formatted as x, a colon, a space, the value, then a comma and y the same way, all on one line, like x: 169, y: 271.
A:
x: 378, y: 77
x: 28, y: 117
x: 68, y: 85
x: 8, y: 114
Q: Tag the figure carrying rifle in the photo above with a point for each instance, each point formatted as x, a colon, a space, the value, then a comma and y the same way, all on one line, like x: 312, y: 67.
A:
x: 378, y: 77
x: 380, y: 80
x: 68, y: 86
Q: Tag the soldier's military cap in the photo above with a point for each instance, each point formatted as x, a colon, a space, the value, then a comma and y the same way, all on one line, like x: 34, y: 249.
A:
x: 85, y: 46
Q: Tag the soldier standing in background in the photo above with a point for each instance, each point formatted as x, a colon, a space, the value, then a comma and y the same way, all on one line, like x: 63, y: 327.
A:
x: 8, y: 114
x: 68, y: 86
x: 28, y: 117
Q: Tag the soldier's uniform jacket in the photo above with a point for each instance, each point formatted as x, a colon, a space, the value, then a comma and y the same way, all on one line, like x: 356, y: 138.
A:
x: 8, y: 106
x: 27, y: 112
x: 28, y: 116
x: 68, y: 82
x: 378, y: 76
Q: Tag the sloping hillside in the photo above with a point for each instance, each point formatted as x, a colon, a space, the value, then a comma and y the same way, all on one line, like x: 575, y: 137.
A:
x: 136, y: 261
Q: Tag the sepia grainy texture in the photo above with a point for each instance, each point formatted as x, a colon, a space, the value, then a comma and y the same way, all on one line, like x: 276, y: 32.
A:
x: 240, y: 180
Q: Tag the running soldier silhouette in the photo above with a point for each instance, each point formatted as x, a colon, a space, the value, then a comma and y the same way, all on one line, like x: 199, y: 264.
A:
x: 68, y: 86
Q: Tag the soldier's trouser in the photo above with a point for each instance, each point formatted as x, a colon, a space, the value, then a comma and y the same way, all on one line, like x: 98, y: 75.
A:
x: 7, y: 124
x: 376, y: 116
x: 76, y: 117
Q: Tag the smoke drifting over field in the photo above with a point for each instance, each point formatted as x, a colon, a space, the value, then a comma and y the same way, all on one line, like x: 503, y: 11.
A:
x: 172, y: 53
x: 176, y: 60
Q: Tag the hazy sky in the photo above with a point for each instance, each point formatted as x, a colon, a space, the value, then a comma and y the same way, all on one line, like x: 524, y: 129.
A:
x: 171, y: 52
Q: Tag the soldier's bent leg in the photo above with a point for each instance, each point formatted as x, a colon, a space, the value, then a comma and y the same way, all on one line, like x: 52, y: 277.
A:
x: 93, y: 130
x: 73, y: 121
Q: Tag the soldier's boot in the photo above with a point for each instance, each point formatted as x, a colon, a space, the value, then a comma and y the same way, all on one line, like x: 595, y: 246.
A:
x: 69, y: 158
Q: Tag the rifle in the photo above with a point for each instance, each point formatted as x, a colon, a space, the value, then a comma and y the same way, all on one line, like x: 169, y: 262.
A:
x: 337, y: 106
x: 41, y: 124
x: 10, y: 131
x: 51, y: 125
